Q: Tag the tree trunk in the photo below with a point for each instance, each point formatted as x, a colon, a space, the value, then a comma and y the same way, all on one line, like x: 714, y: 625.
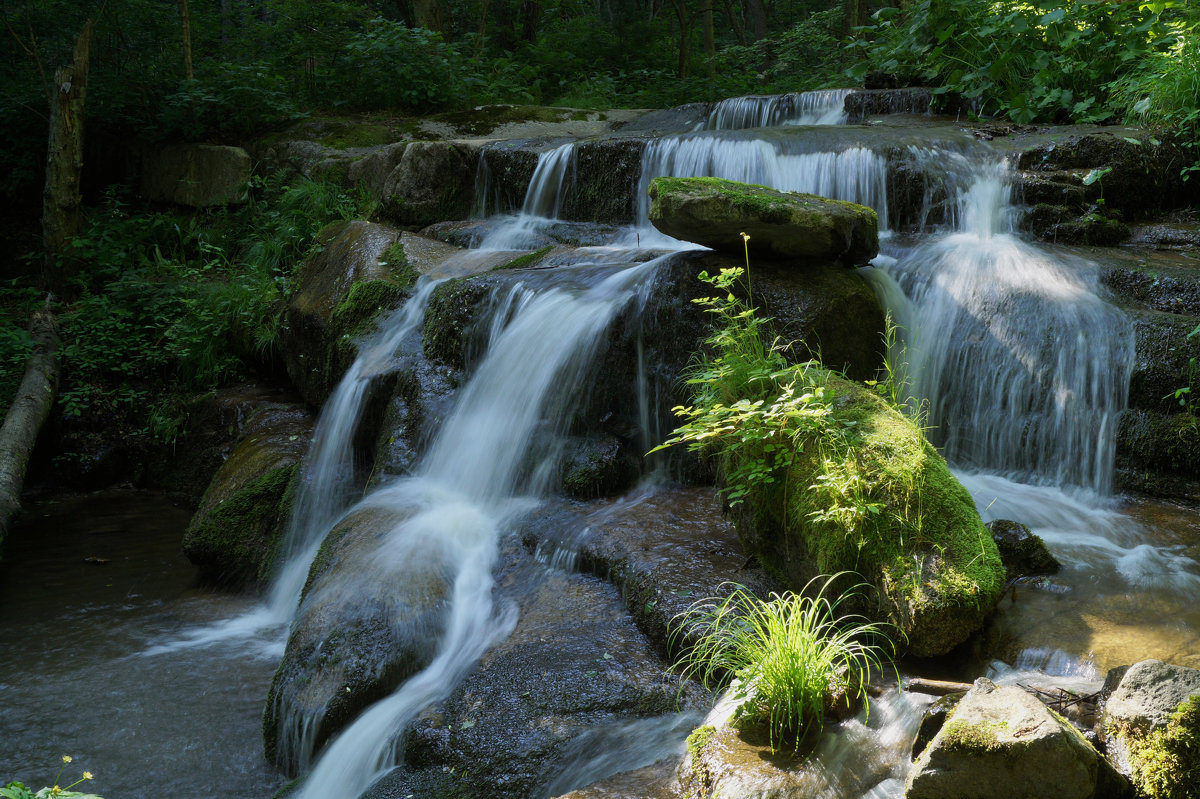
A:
x: 186, y: 23
x: 684, y: 24
x: 756, y: 10
x: 64, y: 161
x: 27, y: 413
x: 531, y: 18
x: 710, y: 49
x: 735, y: 24
x: 428, y: 14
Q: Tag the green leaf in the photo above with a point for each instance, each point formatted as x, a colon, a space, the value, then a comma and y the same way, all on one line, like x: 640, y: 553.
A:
x: 1054, y: 16
x: 1095, y: 175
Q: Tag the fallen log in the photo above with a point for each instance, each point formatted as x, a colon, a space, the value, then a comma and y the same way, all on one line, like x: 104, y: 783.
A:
x: 27, y: 413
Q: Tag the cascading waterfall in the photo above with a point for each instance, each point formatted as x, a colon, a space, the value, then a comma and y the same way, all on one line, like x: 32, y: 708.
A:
x: 824, y: 107
x: 1024, y: 367
x: 465, y: 489
x: 543, y: 201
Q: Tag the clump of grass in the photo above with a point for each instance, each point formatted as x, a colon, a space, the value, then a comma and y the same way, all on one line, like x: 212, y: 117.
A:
x: 791, y: 655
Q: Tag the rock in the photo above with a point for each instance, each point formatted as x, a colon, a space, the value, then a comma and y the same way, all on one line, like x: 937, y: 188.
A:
x: 1162, y: 356
x: 1023, y: 553
x: 650, y: 782
x: 1159, y: 453
x: 197, y: 175
x: 371, y: 614
x: 878, y: 100
x: 1001, y: 742
x: 434, y: 182
x: 933, y: 568
x: 1148, y: 694
x: 605, y: 181
x: 235, y: 532
x: 933, y: 720
x: 373, y: 169
x: 572, y: 675
x: 1156, y: 281
x: 354, y: 276
x: 598, y: 467
x: 714, y: 212
x: 1139, y: 720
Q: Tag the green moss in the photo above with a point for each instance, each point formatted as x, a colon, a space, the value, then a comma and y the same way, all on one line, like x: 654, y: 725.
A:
x: 362, y: 305
x: 699, y: 739
x: 979, y: 738
x: 482, y: 121
x: 528, y: 259
x: 341, y: 136
x: 395, y: 259
x: 1166, y: 763
x: 449, y: 318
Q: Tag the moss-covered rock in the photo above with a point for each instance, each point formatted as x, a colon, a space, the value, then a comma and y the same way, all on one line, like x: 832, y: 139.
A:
x: 1159, y: 453
x: 1022, y: 553
x: 880, y: 503
x: 354, y: 276
x: 451, y: 318
x: 598, y: 467
x: 716, y: 212
x: 1166, y: 763
x: 1163, y: 359
x: 235, y: 532
x: 605, y: 181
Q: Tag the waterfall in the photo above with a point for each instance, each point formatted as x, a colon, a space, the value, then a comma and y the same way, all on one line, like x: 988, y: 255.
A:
x: 1025, y: 368
x: 824, y: 107
x: 552, y: 177
x: 463, y: 492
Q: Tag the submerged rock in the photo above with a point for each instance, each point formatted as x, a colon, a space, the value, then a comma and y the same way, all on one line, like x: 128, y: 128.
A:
x: 882, y: 505
x: 1023, y: 553
x: 716, y: 212
x: 234, y: 533
x: 1001, y: 742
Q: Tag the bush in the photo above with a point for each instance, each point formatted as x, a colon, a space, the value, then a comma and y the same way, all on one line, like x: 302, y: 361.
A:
x: 792, y: 656
x: 390, y: 65
x: 229, y: 103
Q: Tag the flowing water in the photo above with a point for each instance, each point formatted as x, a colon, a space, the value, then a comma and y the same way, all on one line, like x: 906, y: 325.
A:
x: 1019, y: 363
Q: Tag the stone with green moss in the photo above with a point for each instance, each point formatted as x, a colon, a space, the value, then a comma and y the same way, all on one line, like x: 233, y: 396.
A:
x: 1166, y: 763
x: 234, y: 534
x: 869, y: 494
x: 715, y: 213
x: 434, y: 182
x: 528, y: 259
x: 1002, y: 743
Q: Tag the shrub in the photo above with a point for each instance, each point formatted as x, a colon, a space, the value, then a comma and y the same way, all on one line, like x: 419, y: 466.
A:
x: 390, y: 65
x: 791, y: 656
x: 227, y: 103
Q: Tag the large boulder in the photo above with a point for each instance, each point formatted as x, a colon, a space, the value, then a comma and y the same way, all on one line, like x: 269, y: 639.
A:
x: 197, y: 175
x: 715, y: 213
x: 881, y: 503
x: 371, y: 615
x: 1149, y: 720
x: 433, y: 182
x: 355, y: 274
x: 1001, y: 742
x: 234, y: 534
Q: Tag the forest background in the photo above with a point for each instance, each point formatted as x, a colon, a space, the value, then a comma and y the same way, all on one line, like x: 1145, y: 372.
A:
x: 160, y: 303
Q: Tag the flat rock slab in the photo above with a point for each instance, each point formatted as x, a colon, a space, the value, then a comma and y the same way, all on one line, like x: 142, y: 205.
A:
x: 715, y: 213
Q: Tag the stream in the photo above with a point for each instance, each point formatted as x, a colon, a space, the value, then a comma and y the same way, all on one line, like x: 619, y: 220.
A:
x: 1021, y: 364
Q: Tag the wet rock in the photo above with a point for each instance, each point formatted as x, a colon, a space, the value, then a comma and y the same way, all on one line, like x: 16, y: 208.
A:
x: 680, y: 119
x: 1167, y: 236
x: 420, y: 397
x: 666, y: 548
x: 1141, y: 707
x: 1094, y: 227
x: 598, y: 467
x: 196, y: 175
x: 371, y: 615
x: 434, y: 182
x: 604, y: 186
x: 1159, y: 453
x: 1001, y: 742
x: 1162, y: 359
x: 234, y: 534
x: 506, y: 167
x: 1157, y: 281
x: 878, y: 100
x: 456, y: 318
x: 926, y: 555
x: 573, y: 672
x: 1023, y: 553
x: 715, y: 212
x: 340, y: 291
x: 650, y: 782
x: 933, y: 720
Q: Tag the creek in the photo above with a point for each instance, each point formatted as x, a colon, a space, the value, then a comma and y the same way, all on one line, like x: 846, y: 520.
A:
x: 1010, y: 347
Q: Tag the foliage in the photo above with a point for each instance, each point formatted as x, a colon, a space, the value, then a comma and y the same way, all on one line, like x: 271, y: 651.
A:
x: 17, y: 790
x: 389, y: 65
x: 1052, y: 60
x: 1185, y: 395
x: 1166, y: 763
x: 791, y: 655
x: 227, y: 103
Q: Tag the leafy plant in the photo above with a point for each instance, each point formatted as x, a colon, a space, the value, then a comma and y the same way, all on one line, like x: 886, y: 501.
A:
x: 792, y: 655
x: 17, y: 790
x: 1184, y: 394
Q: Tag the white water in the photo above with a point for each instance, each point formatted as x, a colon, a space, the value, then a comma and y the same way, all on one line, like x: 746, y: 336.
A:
x: 823, y: 107
x: 467, y: 486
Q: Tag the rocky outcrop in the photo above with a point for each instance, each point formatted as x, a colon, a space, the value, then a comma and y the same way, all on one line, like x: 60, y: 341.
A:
x: 1001, y: 742
x: 1159, y: 453
x: 196, y: 175
x: 783, y: 225
x: 1022, y: 553
x: 883, y: 505
x: 873, y: 102
x: 235, y: 532
x: 354, y: 275
x: 1164, y: 355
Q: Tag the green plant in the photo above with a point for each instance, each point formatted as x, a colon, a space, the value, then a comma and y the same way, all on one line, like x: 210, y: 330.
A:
x: 1184, y: 394
x: 792, y: 655
x: 1166, y: 763
x: 17, y: 790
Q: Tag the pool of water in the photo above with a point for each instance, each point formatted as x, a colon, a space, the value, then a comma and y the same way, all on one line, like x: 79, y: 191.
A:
x: 87, y: 586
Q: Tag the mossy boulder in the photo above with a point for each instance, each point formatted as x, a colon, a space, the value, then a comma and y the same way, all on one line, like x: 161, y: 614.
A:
x: 371, y: 614
x: 789, y: 225
x: 1159, y: 453
x: 1162, y: 356
x: 1001, y: 742
x: 196, y: 175
x: 434, y: 182
x: 355, y: 275
x: 879, y: 501
x: 1152, y: 725
x: 235, y: 532
x: 1023, y: 553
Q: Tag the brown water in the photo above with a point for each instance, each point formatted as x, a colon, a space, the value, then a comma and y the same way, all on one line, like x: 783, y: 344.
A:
x: 86, y: 585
